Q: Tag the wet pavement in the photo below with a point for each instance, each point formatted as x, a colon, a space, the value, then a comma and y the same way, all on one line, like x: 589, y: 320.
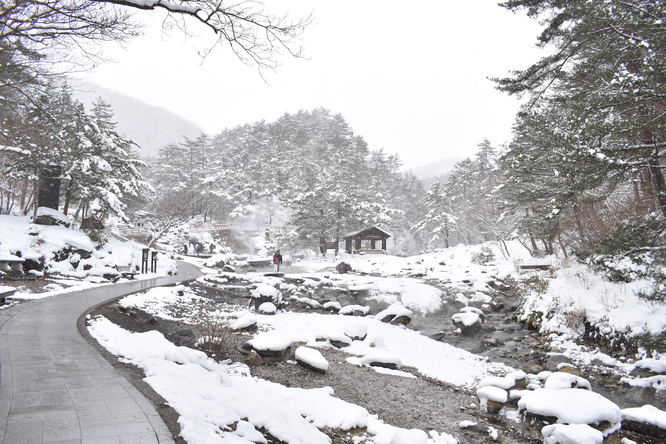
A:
x: 56, y: 388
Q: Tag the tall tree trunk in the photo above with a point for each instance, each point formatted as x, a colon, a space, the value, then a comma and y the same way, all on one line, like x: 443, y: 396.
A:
x: 658, y: 183
x: 68, y: 199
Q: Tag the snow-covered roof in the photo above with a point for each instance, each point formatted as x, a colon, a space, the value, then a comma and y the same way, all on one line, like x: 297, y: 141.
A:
x: 367, y: 231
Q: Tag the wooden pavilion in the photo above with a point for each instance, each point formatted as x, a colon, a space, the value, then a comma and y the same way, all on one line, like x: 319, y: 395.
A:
x: 366, y: 241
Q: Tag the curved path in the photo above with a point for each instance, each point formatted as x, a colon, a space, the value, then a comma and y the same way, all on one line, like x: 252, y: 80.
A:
x: 56, y: 388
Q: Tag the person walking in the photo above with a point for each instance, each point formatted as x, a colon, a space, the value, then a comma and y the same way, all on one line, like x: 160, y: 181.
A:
x: 277, y: 261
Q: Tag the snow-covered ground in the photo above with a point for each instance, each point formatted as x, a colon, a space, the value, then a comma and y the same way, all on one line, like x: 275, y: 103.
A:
x: 218, y: 401
x: 396, y: 282
x: 72, y: 260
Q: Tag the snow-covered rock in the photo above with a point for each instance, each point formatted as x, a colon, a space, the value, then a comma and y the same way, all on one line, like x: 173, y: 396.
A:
x: 412, y: 436
x: 492, y: 398
x: 49, y: 216
x: 354, y: 310
x: 339, y: 340
x: 571, y: 434
x: 311, y: 359
x: 563, y: 380
x: 481, y: 297
x: 267, y: 308
x: 468, y: 323
x: 395, y: 314
x: 504, y: 382
x: 356, y: 331
x: 571, y: 406
x: 270, y: 344
x: 648, y: 420
x: 333, y: 306
x: 381, y: 358
x: 246, y: 322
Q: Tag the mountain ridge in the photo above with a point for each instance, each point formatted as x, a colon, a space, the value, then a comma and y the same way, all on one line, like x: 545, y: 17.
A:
x: 150, y: 127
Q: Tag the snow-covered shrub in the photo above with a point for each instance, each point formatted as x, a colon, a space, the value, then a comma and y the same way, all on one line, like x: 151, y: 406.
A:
x: 483, y: 256
x: 634, y: 250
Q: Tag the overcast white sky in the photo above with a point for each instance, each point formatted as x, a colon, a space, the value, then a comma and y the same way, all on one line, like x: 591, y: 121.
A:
x: 410, y: 77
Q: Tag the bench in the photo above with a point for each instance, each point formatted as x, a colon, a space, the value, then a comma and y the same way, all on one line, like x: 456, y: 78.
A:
x: 126, y: 272
x: 533, y: 268
x: 539, y: 267
x: 6, y: 292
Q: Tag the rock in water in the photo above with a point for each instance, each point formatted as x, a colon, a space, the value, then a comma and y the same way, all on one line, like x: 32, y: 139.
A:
x: 343, y: 268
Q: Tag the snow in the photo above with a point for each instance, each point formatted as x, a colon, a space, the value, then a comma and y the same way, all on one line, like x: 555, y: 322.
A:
x: 412, y: 436
x: 271, y: 341
x: 648, y: 414
x: 265, y: 290
x: 562, y: 380
x: 244, y: 321
x: 312, y: 357
x: 490, y: 393
x: 571, y: 406
x: 466, y: 319
x: 350, y: 309
x: 381, y: 357
x: 267, y: 308
x: 571, y: 434
x: 55, y: 214
x: 44, y: 243
x: 504, y: 382
x: 217, y: 401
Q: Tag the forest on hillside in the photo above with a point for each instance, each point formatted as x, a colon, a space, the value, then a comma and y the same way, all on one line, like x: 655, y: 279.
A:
x: 307, y: 171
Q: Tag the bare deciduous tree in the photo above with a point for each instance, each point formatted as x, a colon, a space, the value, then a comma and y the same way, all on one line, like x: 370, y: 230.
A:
x: 29, y: 29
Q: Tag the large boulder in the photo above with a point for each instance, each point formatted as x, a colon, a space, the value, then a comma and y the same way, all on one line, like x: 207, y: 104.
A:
x: 570, y: 406
x: 469, y: 323
x: 647, y: 420
x: 271, y: 345
x: 343, y: 268
x: 49, y: 216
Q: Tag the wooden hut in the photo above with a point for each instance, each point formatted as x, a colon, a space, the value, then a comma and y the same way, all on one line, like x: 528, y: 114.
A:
x: 368, y: 240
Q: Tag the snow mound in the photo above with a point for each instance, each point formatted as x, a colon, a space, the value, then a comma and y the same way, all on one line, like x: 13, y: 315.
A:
x: 245, y: 321
x: 381, y: 358
x: 353, y: 309
x: 504, y: 382
x: 270, y: 341
x: 648, y: 414
x: 466, y: 319
x: 571, y: 434
x: 267, y: 308
x: 356, y: 331
x: 311, y: 358
x: 563, y: 380
x: 571, y: 406
x: 413, y: 436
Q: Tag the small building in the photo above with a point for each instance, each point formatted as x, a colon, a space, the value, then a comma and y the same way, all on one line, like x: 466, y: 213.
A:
x: 368, y: 240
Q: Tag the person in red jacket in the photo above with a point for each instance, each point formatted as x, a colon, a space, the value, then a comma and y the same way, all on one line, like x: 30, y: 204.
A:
x: 277, y: 261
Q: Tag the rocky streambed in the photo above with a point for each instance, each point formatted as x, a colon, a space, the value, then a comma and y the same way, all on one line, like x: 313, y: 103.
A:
x: 417, y: 402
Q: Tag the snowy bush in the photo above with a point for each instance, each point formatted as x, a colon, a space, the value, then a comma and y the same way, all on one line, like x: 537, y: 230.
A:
x: 216, y: 337
x: 634, y: 250
x: 483, y: 256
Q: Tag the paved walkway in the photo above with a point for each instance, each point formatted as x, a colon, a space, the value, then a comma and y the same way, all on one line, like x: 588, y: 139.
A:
x: 56, y: 388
